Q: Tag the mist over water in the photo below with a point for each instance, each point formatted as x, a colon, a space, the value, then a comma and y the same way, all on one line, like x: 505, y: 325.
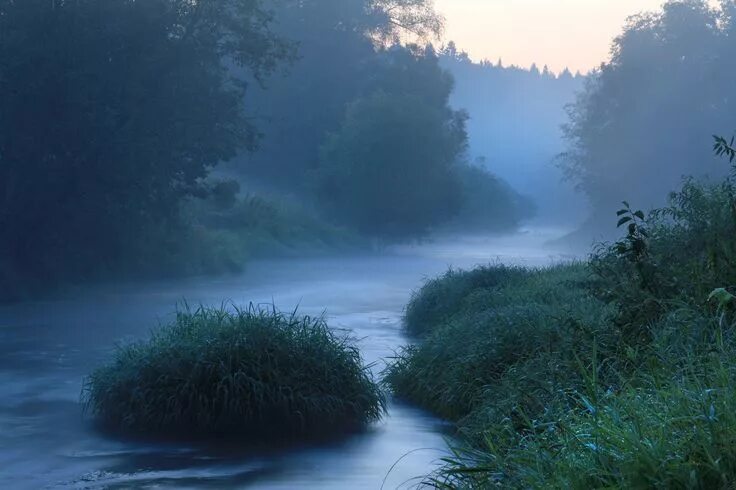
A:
x: 515, y: 129
x: 49, y: 346
x: 187, y: 188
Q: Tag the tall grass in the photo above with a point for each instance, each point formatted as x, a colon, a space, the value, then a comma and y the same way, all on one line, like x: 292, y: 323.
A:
x: 500, y: 344
x: 251, y: 372
x: 614, y: 373
x: 444, y: 296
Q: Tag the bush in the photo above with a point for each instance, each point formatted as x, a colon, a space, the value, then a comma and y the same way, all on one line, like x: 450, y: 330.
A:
x: 253, y: 225
x: 255, y: 373
x: 688, y: 252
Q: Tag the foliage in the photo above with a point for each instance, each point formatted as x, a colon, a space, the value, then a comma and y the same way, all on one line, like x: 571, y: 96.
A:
x: 253, y: 372
x: 689, y: 252
x: 113, y: 112
x: 256, y: 225
x: 389, y: 170
x: 664, y: 431
x: 724, y: 147
x: 617, y: 373
x: 635, y: 129
x: 634, y: 246
x: 488, y: 203
x: 337, y: 44
x: 495, y: 350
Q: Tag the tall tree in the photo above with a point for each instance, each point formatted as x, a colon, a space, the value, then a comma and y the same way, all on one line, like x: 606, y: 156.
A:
x: 112, y: 112
x: 336, y: 49
x: 645, y: 118
x: 390, y: 169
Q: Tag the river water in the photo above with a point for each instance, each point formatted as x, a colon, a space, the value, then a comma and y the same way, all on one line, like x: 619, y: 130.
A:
x: 47, y: 347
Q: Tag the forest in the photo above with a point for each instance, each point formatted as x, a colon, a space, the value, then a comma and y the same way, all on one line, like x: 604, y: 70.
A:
x: 317, y: 244
x: 158, y: 138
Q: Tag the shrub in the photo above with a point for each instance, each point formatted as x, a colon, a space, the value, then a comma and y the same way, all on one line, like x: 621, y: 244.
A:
x: 268, y: 226
x: 253, y: 372
x: 689, y: 251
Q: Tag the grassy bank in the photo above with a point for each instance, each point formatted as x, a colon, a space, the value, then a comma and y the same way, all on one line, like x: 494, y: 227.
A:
x: 216, y: 234
x: 222, y: 237
x: 250, y: 373
x: 613, y: 373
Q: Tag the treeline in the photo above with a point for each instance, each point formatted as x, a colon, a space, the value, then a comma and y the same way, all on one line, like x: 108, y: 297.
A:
x: 114, y: 114
x: 368, y: 130
x: 516, y: 117
x: 641, y: 121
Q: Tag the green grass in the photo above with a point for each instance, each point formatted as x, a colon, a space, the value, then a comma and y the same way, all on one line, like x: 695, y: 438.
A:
x: 656, y: 434
x: 251, y: 373
x: 444, y: 296
x: 660, y: 416
x: 470, y: 350
x: 614, y: 373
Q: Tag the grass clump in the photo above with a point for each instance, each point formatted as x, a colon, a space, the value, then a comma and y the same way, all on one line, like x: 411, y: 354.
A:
x: 252, y: 372
x: 442, y: 297
x: 478, y: 351
x: 614, y: 373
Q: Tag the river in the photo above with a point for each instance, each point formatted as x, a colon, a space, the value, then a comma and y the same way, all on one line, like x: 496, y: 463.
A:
x: 47, y: 347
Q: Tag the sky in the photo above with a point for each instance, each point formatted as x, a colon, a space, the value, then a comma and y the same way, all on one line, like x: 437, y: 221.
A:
x: 559, y: 33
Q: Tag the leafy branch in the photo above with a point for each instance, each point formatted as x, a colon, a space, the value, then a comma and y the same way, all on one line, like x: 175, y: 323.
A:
x: 724, y: 147
x: 634, y: 246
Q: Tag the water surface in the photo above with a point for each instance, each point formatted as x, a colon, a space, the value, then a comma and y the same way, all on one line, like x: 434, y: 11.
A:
x: 47, y: 347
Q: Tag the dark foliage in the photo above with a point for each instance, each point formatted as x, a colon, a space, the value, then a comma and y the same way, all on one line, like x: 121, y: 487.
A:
x: 638, y: 126
x: 389, y: 170
x: 112, y: 113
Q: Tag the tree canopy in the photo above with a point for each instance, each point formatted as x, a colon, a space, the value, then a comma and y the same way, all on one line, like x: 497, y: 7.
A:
x: 645, y: 118
x: 111, y: 112
x: 390, y: 169
x: 337, y: 43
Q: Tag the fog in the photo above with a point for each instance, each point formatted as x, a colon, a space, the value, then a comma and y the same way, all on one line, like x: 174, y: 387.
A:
x: 515, y: 128
x: 216, y: 219
x: 49, y: 346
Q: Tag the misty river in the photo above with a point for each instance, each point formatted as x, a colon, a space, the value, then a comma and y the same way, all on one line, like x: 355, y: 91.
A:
x: 47, y: 347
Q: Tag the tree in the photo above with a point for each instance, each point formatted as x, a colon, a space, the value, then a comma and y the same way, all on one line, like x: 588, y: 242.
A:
x: 389, y: 170
x: 337, y: 41
x: 398, y: 19
x: 641, y: 121
x: 111, y: 113
x: 509, y: 108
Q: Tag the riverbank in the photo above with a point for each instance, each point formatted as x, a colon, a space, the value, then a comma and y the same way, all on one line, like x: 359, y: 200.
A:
x: 48, y: 347
x: 616, y: 372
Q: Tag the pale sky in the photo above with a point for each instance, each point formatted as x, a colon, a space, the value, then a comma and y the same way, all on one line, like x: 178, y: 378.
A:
x: 559, y: 33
